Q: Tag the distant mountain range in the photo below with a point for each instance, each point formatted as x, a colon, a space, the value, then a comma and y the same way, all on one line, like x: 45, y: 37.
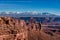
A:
x: 27, y: 14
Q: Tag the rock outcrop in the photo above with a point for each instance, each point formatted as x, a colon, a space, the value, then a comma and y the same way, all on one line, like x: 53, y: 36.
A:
x: 14, y: 29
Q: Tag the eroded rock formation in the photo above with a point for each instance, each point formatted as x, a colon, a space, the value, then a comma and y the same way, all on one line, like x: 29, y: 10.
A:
x: 14, y: 29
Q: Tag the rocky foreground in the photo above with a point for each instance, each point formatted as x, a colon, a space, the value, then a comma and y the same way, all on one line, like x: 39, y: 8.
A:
x: 13, y: 29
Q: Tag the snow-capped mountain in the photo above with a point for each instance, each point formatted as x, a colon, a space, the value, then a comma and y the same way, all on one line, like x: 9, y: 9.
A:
x: 26, y: 14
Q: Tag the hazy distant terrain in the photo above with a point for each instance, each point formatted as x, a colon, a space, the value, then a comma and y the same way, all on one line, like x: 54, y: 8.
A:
x: 27, y: 14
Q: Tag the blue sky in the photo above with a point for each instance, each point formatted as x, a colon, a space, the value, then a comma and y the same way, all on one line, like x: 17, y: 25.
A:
x: 51, y: 6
